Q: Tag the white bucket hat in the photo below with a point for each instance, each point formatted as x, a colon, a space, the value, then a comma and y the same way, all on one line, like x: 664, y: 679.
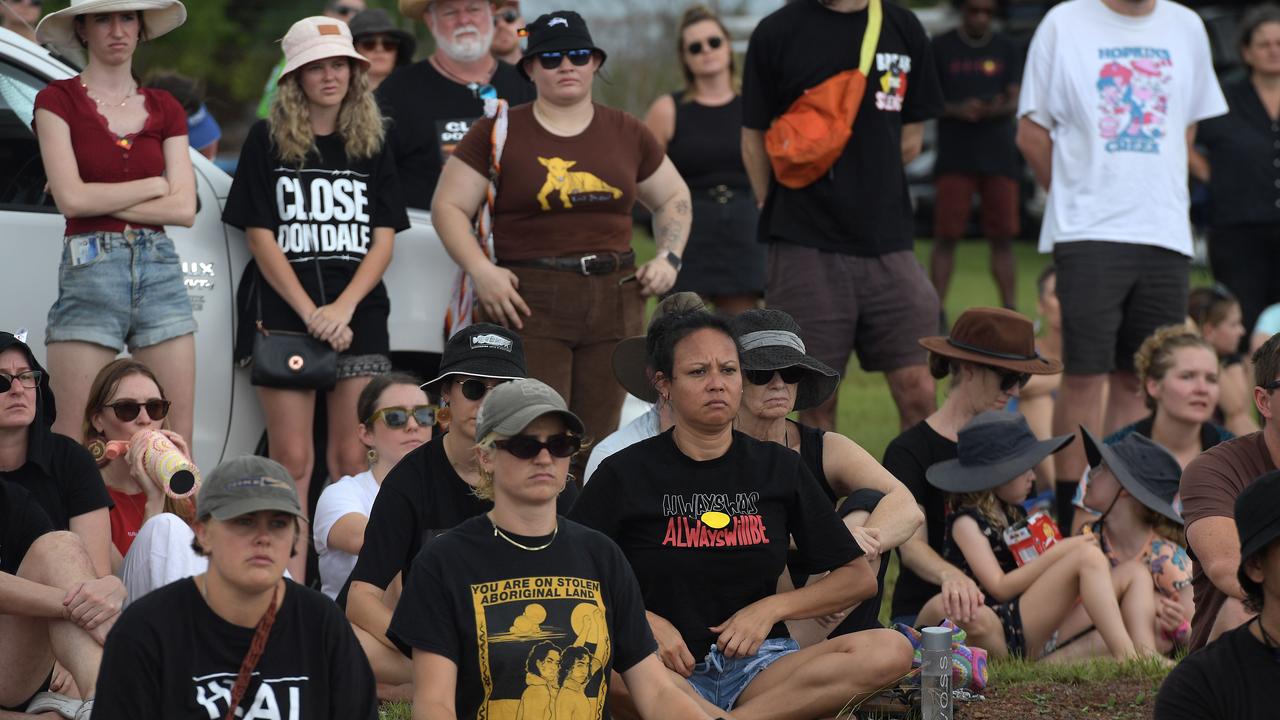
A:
x: 317, y: 38
x: 58, y: 28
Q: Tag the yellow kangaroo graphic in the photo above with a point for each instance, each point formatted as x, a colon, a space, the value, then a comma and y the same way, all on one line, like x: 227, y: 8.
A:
x: 568, y: 183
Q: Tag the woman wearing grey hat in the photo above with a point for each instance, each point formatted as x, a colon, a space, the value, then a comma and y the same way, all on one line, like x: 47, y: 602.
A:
x: 519, y: 612
x: 780, y: 377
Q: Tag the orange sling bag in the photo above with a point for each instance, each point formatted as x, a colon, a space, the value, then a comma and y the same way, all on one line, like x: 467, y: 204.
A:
x: 805, y: 141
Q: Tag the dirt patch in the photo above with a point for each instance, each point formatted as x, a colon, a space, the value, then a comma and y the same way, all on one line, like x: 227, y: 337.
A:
x: 1114, y: 700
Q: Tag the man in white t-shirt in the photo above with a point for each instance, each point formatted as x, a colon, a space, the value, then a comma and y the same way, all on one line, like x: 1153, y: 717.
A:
x: 1111, y: 95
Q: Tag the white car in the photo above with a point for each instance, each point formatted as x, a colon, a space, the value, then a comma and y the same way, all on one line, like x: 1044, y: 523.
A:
x: 228, y: 420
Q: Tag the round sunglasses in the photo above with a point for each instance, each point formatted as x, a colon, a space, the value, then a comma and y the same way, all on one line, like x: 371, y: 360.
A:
x: 552, y: 59
x: 790, y: 375
x: 29, y: 380
x: 527, y: 447
x: 473, y: 389
x: 127, y: 410
x: 381, y: 42
x: 713, y: 43
x: 398, y: 417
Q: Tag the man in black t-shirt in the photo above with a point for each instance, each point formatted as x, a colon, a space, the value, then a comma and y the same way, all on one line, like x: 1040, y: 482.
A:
x: 979, y: 70
x: 432, y: 103
x: 1231, y: 678
x: 841, y: 260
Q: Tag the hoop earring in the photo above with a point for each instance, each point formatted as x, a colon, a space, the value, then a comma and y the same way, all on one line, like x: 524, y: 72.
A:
x: 372, y: 456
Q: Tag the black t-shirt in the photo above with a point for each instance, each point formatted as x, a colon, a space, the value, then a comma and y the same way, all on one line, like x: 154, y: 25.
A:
x: 1244, y: 156
x: 1229, y: 679
x: 861, y: 207
x: 985, y: 147
x: 170, y: 656
x: 534, y: 633
x: 708, y: 538
x: 907, y: 458
x: 994, y: 536
x: 420, y: 498
x: 430, y: 114
x: 22, y: 521
x: 62, y: 477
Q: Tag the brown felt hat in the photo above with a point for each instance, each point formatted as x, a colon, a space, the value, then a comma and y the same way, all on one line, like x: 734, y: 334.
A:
x: 630, y: 361
x: 996, y: 337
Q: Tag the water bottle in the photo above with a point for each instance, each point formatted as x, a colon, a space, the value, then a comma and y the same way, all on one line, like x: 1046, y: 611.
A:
x: 935, y: 674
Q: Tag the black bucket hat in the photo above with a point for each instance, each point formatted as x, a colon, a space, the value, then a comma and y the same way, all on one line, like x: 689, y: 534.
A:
x: 557, y: 31
x: 376, y: 21
x: 481, y: 350
x: 995, y: 447
x: 770, y: 340
x: 1257, y: 514
x: 1144, y: 468
x: 46, y: 408
x: 630, y: 359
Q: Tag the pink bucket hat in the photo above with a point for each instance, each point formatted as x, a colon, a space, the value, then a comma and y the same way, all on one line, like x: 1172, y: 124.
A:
x: 317, y: 38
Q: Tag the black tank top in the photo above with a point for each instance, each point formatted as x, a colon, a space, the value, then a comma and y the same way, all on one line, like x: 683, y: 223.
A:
x: 811, y: 454
x: 707, y: 146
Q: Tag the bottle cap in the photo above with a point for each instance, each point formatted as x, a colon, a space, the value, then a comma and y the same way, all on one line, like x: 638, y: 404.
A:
x: 937, y: 638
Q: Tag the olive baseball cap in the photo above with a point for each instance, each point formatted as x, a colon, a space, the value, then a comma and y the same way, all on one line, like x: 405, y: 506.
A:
x: 510, y: 407
x: 248, y: 484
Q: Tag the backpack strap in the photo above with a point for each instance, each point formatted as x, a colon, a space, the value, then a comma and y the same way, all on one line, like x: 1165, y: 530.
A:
x: 871, y: 37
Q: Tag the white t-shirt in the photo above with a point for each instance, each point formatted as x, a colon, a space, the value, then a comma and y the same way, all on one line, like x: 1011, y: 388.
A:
x: 642, y: 428
x: 1117, y: 94
x: 351, y: 494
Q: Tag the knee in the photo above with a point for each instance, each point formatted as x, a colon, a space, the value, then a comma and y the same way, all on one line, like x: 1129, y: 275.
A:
x: 55, y: 552
x: 890, y: 659
x: 1092, y: 559
x: 296, y: 458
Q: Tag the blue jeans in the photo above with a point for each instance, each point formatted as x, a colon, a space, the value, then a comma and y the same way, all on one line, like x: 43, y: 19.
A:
x: 720, y: 680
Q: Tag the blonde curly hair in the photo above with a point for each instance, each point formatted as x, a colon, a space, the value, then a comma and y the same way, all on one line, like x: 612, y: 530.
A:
x: 360, y: 121
x: 986, y: 503
x: 1155, y: 357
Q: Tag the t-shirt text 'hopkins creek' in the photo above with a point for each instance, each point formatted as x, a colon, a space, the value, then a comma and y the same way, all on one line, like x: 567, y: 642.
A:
x: 330, y: 216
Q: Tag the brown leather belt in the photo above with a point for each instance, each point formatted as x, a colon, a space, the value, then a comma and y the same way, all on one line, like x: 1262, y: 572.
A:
x: 601, y: 263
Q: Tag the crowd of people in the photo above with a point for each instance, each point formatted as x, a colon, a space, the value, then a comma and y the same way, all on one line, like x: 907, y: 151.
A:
x: 490, y: 543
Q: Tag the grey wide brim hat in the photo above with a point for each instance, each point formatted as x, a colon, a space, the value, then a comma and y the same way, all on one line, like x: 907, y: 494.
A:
x: 994, y: 448
x: 510, y: 407
x: 770, y: 340
x: 631, y: 358
x: 1145, y: 469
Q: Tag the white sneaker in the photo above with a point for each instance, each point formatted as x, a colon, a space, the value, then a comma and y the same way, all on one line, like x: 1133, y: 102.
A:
x: 43, y: 702
x: 86, y: 709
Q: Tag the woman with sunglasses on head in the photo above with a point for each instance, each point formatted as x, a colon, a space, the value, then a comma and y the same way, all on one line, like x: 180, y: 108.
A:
x: 384, y: 45
x: 318, y: 197
x: 571, y: 172
x: 519, y: 612
x: 780, y: 378
x: 990, y: 354
x: 395, y: 418
x: 699, y: 127
x: 705, y: 516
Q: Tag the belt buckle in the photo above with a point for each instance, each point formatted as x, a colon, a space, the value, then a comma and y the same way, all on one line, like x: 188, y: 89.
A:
x: 582, y: 263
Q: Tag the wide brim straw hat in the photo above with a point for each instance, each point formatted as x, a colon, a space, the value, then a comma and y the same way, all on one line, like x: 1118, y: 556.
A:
x: 317, y: 38
x: 996, y: 337
x: 58, y: 28
x: 413, y: 9
x: 1145, y: 469
x: 994, y: 448
x: 770, y: 340
x: 630, y: 358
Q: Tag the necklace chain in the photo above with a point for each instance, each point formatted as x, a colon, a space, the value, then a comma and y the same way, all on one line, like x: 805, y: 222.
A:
x: 497, y: 531
x: 93, y: 96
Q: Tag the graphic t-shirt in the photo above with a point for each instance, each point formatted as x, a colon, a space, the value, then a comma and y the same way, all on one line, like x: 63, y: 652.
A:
x: 708, y: 538
x: 1117, y: 94
x: 1231, y: 679
x: 861, y: 206
x: 170, y: 656
x: 351, y: 494
x: 564, y: 195
x: 420, y: 498
x: 430, y: 114
x: 534, y: 633
x: 22, y: 521
x: 908, y: 457
x: 985, y: 147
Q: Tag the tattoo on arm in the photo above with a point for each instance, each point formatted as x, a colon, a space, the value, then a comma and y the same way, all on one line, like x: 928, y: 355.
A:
x: 668, y: 228
x: 682, y: 207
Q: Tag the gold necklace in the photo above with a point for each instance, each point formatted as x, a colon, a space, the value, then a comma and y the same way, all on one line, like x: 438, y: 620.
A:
x: 91, y: 95
x: 497, y: 532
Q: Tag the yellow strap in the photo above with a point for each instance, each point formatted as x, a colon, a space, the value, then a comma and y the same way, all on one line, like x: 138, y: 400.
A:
x: 870, y: 38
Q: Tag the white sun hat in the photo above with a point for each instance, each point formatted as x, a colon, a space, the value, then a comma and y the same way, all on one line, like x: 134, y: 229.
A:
x: 58, y: 28
x: 317, y: 38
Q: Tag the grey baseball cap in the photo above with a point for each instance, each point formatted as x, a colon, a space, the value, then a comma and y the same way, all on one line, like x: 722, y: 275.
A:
x: 248, y: 484
x: 510, y: 407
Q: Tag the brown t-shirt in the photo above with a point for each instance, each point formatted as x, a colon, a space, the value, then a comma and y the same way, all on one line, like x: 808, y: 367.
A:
x: 1209, y: 488
x: 561, y: 196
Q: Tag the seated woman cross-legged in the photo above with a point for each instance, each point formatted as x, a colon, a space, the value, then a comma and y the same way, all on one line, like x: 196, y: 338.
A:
x: 1026, y: 604
x: 704, y: 515
x: 518, y: 613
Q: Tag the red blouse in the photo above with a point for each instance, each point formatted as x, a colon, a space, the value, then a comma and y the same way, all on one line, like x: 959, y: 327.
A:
x: 104, y: 157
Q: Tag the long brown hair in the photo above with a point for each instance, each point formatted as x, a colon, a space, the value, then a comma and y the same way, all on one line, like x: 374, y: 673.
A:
x: 693, y: 16
x: 986, y: 503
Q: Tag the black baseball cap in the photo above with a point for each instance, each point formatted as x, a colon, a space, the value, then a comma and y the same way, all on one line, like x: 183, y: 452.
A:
x: 1257, y: 518
x: 481, y: 350
x: 557, y: 31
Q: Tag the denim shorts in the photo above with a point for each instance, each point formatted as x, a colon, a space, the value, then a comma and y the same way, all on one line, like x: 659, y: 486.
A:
x: 720, y: 680
x: 120, y: 288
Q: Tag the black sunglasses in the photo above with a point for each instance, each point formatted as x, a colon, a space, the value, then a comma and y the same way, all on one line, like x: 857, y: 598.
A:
x: 29, y: 380
x: 1008, y: 379
x: 527, y: 447
x: 345, y: 10
x: 398, y: 417
x: 127, y: 410
x: 507, y: 16
x: 1269, y: 387
x: 790, y: 375
x: 473, y: 389
x: 714, y: 43
x: 551, y: 60
x: 380, y: 42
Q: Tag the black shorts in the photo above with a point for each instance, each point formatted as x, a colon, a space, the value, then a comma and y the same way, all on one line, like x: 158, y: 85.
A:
x: 1113, y: 296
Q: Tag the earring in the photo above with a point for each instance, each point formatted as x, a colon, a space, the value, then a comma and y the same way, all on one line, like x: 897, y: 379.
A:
x: 372, y: 456
x: 98, y: 450
x: 443, y: 415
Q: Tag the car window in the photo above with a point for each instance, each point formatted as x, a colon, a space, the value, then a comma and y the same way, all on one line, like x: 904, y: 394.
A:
x: 22, y: 185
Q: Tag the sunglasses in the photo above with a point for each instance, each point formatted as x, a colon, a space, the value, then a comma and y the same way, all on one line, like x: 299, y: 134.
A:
x: 790, y: 375
x: 695, y: 47
x: 551, y: 60
x: 527, y: 447
x: 1009, y: 378
x: 29, y: 380
x: 398, y: 417
x: 127, y: 410
x: 507, y: 16
x: 474, y: 390
x: 1269, y: 387
x: 389, y: 44
x: 482, y: 92
x: 345, y: 10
